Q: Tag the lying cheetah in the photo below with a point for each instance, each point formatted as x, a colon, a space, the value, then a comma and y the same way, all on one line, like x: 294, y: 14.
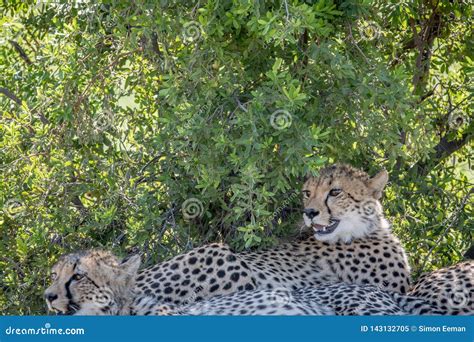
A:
x: 340, y: 299
x: 450, y: 289
x: 98, y: 283
x: 352, y: 243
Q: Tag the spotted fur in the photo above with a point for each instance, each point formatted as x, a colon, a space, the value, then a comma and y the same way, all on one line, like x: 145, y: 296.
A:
x: 198, y: 274
x: 106, y: 287
x: 450, y: 289
x: 335, y: 299
x: 97, y: 283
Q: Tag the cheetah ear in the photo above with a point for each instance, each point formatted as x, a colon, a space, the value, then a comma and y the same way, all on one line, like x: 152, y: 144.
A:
x: 378, y: 182
x: 130, y: 265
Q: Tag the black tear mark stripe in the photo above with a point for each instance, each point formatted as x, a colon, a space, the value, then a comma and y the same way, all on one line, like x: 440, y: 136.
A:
x: 327, y: 206
x: 68, y: 291
x: 68, y: 283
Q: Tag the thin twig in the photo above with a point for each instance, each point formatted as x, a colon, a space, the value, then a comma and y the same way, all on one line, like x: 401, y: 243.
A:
x: 355, y: 44
x: 287, y: 12
x: 240, y: 105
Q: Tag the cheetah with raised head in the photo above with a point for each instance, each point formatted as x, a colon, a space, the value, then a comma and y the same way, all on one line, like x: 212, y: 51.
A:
x: 352, y: 240
x: 450, y: 289
x: 352, y: 243
x: 98, y: 283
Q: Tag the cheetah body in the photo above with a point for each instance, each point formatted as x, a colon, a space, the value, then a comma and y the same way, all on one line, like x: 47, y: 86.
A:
x: 335, y: 299
x: 451, y: 289
x: 98, y: 283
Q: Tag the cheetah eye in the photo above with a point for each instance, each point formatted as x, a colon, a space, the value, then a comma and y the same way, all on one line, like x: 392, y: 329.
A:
x: 306, y: 193
x: 77, y: 276
x: 335, y: 192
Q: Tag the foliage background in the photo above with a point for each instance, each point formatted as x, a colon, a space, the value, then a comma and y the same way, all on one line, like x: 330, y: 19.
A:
x: 160, y: 125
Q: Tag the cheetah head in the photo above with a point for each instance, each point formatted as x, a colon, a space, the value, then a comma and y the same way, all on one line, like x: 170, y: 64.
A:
x: 342, y: 204
x: 94, y: 282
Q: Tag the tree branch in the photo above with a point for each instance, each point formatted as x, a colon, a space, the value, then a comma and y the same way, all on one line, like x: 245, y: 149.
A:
x: 19, y: 102
x: 21, y: 52
x: 10, y: 95
x: 442, y: 150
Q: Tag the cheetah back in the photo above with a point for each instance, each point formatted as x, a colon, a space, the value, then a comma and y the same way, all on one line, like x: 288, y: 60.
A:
x: 198, y: 274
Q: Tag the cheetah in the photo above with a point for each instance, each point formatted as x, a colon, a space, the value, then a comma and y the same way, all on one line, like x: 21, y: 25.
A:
x: 91, y: 283
x: 450, y: 289
x: 189, y: 277
x: 351, y: 242
x: 96, y: 282
x: 339, y: 299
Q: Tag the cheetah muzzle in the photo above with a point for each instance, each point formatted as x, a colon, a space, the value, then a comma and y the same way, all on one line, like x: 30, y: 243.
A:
x: 320, y: 229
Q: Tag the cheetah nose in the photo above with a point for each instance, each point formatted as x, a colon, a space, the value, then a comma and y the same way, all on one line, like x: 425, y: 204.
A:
x: 50, y: 297
x: 311, y: 213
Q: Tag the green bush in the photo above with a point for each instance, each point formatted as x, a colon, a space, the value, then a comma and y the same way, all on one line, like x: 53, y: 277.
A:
x: 160, y: 125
